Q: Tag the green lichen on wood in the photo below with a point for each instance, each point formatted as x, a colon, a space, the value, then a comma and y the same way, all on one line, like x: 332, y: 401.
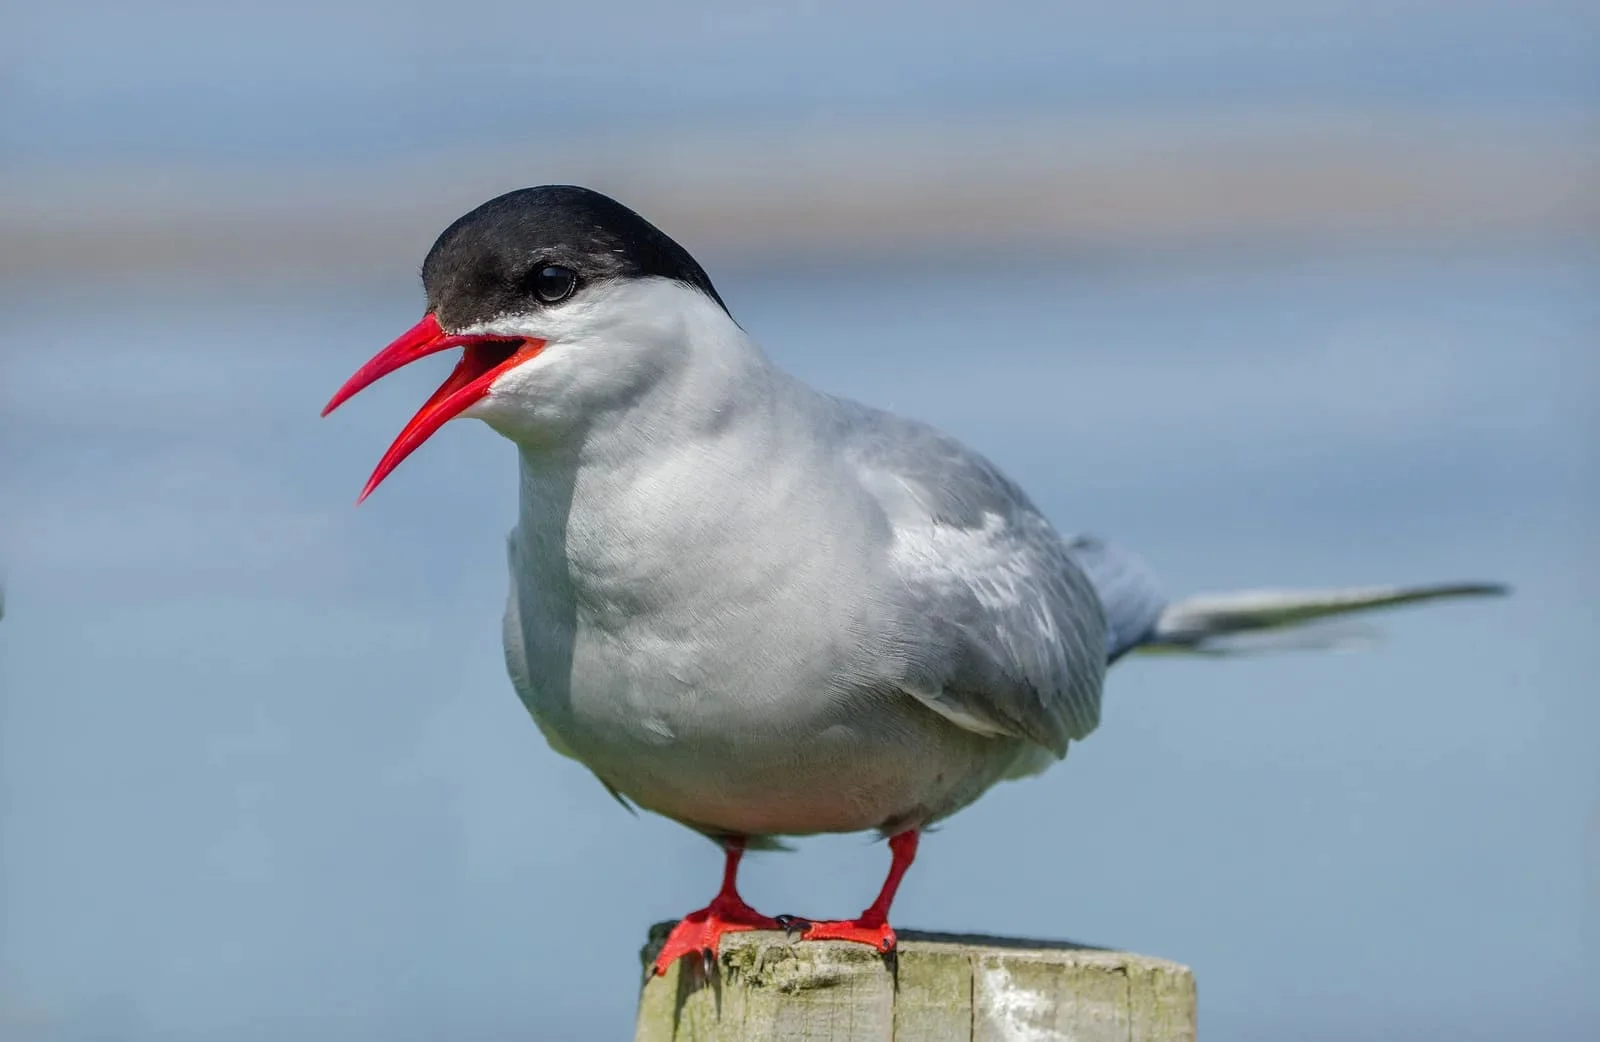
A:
x: 935, y: 988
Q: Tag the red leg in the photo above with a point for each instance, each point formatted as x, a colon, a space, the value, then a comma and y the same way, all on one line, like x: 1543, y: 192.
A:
x: 872, y: 926
x: 727, y: 913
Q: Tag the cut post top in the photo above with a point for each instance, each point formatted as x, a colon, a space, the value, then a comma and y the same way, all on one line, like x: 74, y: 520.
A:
x: 933, y: 988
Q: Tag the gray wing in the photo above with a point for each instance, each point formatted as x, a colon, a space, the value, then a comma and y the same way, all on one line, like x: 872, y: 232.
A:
x: 1009, y: 635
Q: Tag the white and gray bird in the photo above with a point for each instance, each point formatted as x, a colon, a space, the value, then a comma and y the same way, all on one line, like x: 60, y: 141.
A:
x: 751, y: 607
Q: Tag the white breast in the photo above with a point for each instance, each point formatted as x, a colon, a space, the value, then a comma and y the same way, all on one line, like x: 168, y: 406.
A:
x: 702, y: 611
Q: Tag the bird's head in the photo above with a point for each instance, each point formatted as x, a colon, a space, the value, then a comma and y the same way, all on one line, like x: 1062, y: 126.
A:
x: 564, y: 303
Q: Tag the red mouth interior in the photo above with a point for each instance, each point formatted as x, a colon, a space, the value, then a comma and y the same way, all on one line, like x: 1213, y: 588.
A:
x: 486, y: 356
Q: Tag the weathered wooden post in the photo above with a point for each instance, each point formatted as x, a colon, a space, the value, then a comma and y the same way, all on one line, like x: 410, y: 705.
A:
x: 935, y: 988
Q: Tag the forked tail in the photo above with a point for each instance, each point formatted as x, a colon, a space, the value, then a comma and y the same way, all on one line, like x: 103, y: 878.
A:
x: 1262, y: 620
x: 1139, y: 617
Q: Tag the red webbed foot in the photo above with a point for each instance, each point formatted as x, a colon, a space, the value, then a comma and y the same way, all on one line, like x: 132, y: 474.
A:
x: 869, y: 930
x: 701, y: 932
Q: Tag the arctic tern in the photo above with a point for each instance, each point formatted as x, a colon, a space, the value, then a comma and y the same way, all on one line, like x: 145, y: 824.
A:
x: 754, y: 608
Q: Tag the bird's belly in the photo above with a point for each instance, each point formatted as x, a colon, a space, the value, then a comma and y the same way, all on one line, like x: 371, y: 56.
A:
x: 771, y: 758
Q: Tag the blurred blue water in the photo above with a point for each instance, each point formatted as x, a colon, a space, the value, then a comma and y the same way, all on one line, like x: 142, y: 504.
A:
x: 261, y: 772
x: 102, y: 82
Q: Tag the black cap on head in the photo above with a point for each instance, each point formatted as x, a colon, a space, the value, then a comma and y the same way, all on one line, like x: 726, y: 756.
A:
x: 489, y: 262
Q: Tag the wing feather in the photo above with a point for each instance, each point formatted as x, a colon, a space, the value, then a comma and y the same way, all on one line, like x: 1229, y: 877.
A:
x: 1015, y: 635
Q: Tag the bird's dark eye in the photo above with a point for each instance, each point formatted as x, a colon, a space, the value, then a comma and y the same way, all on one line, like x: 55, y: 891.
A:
x: 552, y: 284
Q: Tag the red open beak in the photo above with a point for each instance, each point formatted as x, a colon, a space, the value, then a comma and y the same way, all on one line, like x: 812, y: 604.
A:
x: 484, y: 359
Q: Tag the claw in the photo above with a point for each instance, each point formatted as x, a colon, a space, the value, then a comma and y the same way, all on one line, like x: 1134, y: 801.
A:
x: 793, y: 926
